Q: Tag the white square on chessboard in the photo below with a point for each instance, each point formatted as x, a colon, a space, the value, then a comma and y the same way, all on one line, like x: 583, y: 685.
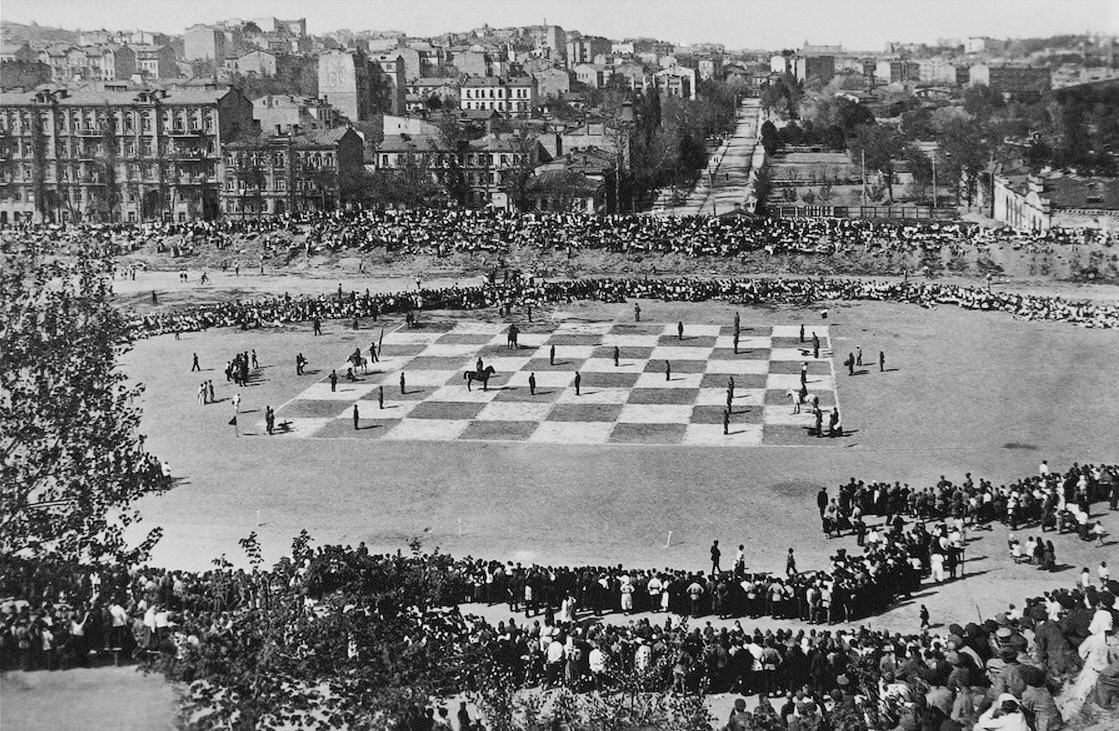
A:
x: 784, y: 415
x: 606, y: 365
x: 637, y: 341
x: 711, y: 435
x: 572, y: 432
x: 346, y: 391
x: 550, y: 379
x: 679, y: 380
x: 673, y: 352
x: 796, y: 353
x: 450, y: 350
x: 656, y: 414
x: 426, y: 378
x: 300, y: 428
x: 752, y: 342
x: 565, y: 352
x: 480, y: 328
x: 524, y: 341
x: 432, y: 430
x: 455, y: 392
x: 515, y: 411
x: 785, y: 381
x: 571, y: 327
x: 698, y: 330
x: 742, y: 397
x: 507, y: 364
x: 411, y: 337
x: 743, y: 367
x: 592, y: 394
x: 793, y: 331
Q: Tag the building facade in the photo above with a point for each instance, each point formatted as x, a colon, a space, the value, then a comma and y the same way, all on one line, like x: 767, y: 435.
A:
x: 144, y: 154
x: 288, y: 174
x: 204, y: 43
x: 514, y: 96
x: 344, y: 82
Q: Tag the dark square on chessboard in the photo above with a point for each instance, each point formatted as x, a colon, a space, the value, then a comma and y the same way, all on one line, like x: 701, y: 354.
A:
x: 367, y: 428
x: 738, y: 414
x: 647, y: 433
x: 544, y: 394
x: 794, y: 342
x: 397, y: 350
x: 677, y: 366
x: 585, y: 412
x: 751, y: 331
x: 561, y: 364
x: 310, y: 409
x: 610, y: 379
x: 742, y: 354
x: 392, y: 392
x: 787, y: 434
x: 451, y: 410
x: 689, y: 341
x: 441, y: 363
x: 499, y: 430
x: 635, y: 328
x: 466, y: 338
x: 815, y: 367
x: 501, y: 350
x: 430, y: 326
x: 559, y: 339
x: 663, y: 396
x: 741, y: 380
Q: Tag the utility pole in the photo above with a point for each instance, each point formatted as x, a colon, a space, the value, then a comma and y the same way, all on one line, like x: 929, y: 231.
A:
x: 934, y: 180
x: 862, y: 155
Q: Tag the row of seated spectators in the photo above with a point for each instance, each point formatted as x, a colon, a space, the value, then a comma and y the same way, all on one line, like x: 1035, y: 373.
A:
x: 281, y: 309
x: 446, y: 231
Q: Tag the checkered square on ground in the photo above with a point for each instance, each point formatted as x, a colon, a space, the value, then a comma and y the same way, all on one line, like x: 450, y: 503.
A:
x: 309, y: 408
x: 520, y: 394
x: 515, y: 411
x: 572, y: 432
x: 742, y: 396
x: 739, y: 414
x: 447, y: 410
x: 367, y: 428
x: 663, y: 396
x: 430, y: 430
x: 585, y: 411
x: 656, y: 413
x: 636, y: 328
x: 677, y: 380
x: 711, y: 435
x: 561, y: 364
x: 562, y: 340
x: 815, y: 367
x: 626, y: 353
x: 647, y: 433
x: 466, y: 338
x: 516, y: 431
x: 677, y: 366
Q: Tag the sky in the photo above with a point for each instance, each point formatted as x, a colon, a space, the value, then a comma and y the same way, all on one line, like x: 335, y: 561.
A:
x: 762, y: 24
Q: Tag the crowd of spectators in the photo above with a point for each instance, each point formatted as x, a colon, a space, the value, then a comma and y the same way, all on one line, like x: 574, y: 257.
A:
x: 444, y: 231
x: 965, y: 675
x: 534, y: 292
x: 1049, y: 500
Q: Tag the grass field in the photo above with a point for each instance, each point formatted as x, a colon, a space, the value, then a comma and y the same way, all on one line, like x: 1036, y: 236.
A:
x: 966, y: 391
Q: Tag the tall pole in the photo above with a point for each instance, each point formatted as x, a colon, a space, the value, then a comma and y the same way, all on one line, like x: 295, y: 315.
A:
x: 862, y: 156
x: 934, y: 180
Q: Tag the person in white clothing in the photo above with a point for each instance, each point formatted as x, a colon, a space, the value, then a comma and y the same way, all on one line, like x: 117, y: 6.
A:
x: 1003, y: 715
x: 1103, y: 572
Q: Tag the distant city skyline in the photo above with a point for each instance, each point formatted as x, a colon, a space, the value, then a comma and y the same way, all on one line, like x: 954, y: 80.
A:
x: 762, y: 24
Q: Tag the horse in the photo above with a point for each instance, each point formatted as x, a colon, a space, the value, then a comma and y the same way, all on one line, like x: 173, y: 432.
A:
x: 483, y: 376
x: 359, y: 361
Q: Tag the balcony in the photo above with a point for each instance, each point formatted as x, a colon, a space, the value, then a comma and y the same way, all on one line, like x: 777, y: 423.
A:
x: 195, y: 180
x: 185, y: 132
x: 191, y: 155
x: 88, y: 132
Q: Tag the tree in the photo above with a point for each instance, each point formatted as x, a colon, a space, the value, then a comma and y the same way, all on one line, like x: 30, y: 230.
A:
x: 876, y: 147
x: 770, y: 137
x: 808, y: 197
x: 825, y: 194
x: 109, y: 193
x: 74, y: 461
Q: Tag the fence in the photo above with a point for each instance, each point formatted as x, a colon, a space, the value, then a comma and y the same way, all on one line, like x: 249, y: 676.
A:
x: 886, y: 213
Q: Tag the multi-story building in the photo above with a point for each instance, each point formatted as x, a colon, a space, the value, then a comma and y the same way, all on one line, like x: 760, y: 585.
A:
x: 155, y: 61
x: 591, y: 75
x: 471, y: 62
x: 515, y: 96
x: 549, y: 40
x: 584, y: 49
x: 204, y: 43
x: 892, y: 71
x: 421, y: 92
x: 344, y: 82
x: 1011, y: 80
x: 18, y: 52
x: 109, y: 62
x: 286, y: 174
x: 552, y: 83
x: 135, y: 154
x: 389, y: 70
x: 710, y: 67
x: 677, y: 81
x: 282, y: 114
x: 253, y: 63
x: 815, y: 66
x: 1036, y: 203
x: 937, y: 70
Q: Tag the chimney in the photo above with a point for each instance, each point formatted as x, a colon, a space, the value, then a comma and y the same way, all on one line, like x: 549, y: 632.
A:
x: 279, y: 129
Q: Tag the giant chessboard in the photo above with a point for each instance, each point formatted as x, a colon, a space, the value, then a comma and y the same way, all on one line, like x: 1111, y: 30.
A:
x: 631, y: 403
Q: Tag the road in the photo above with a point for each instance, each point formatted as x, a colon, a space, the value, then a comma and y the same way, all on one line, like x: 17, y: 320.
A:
x: 726, y: 180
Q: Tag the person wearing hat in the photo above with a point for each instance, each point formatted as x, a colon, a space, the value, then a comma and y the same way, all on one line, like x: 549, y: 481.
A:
x: 1003, y: 715
x: 1038, y: 702
x: 1009, y: 678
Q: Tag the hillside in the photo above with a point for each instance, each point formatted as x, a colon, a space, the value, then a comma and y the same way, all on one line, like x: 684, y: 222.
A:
x: 16, y: 33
